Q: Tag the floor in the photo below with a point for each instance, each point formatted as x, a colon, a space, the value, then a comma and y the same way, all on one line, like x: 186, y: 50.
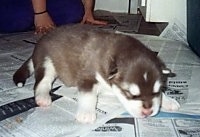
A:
x: 131, y: 23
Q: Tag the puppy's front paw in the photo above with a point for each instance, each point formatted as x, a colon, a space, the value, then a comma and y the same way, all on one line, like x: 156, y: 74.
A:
x: 169, y: 104
x: 43, y: 100
x: 86, y: 116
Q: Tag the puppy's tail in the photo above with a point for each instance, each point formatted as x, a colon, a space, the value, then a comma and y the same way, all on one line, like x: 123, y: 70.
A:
x: 23, y: 73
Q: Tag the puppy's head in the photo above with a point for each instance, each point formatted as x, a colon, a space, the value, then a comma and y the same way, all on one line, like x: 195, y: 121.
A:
x: 138, y: 84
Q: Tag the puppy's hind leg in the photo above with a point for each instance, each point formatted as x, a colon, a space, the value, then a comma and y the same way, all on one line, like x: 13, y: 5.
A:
x: 44, y: 76
x: 87, y: 102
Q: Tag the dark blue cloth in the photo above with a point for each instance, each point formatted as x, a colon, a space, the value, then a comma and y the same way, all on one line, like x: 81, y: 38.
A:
x: 18, y: 15
x: 193, y: 25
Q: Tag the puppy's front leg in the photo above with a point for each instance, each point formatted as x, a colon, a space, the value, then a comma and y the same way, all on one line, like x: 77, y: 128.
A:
x: 169, y: 104
x: 44, y: 77
x: 87, y: 101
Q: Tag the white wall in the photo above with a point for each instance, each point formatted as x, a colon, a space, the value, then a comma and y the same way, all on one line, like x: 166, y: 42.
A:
x: 164, y: 10
x: 120, y: 6
x: 179, y: 11
x: 112, y: 5
x: 170, y: 8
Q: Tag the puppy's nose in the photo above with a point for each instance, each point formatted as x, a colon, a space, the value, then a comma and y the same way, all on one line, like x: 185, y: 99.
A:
x: 147, y: 112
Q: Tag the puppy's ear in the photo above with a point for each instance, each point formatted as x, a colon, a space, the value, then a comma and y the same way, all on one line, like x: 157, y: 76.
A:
x: 114, y: 74
x: 166, y: 71
x: 113, y: 70
x: 115, y: 77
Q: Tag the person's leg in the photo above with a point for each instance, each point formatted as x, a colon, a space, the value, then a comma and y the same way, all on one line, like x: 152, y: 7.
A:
x: 16, y: 15
x: 65, y: 11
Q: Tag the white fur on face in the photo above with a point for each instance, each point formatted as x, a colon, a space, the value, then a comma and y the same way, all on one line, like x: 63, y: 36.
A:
x: 135, y: 107
x: 132, y: 88
x: 156, y: 87
x: 132, y: 106
x: 42, y: 90
x: 87, y: 105
x: 145, y: 76
x: 156, y: 105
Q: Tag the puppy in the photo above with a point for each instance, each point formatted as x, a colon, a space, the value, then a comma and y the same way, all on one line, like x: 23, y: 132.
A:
x: 88, y: 58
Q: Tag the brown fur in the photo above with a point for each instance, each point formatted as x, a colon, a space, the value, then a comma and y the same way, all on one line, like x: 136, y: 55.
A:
x: 78, y: 52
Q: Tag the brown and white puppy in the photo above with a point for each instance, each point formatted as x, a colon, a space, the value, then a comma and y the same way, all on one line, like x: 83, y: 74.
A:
x: 87, y: 58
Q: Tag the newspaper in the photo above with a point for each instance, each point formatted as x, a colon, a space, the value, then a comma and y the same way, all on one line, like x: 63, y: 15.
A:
x: 175, y: 31
x: 167, y: 125
x: 112, y: 120
x: 56, y: 120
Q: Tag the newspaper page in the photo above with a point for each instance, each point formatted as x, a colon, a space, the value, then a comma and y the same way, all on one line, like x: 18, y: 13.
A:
x: 56, y: 120
x: 175, y: 31
x: 172, y: 127
x: 163, y: 125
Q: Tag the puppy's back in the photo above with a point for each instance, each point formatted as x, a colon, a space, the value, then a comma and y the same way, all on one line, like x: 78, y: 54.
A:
x: 80, y: 51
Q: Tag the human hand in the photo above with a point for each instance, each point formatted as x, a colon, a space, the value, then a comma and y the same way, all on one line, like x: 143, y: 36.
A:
x: 43, y: 23
x: 89, y: 19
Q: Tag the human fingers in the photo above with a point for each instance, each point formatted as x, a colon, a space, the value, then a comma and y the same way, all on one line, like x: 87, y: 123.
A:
x: 44, y: 29
x: 39, y: 30
x: 96, y: 22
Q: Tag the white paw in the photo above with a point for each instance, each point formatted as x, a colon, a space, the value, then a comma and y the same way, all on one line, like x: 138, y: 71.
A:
x: 43, y: 100
x: 170, y: 104
x: 86, y: 116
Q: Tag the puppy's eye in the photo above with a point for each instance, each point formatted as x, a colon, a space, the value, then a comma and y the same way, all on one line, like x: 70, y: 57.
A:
x: 136, y: 97
x: 130, y: 96
x: 156, y: 94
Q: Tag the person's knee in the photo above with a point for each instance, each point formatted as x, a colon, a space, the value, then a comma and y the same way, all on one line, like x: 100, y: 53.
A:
x: 64, y: 12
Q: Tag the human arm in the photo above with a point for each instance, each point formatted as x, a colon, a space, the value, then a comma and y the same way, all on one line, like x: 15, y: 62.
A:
x: 42, y: 20
x: 88, y: 16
